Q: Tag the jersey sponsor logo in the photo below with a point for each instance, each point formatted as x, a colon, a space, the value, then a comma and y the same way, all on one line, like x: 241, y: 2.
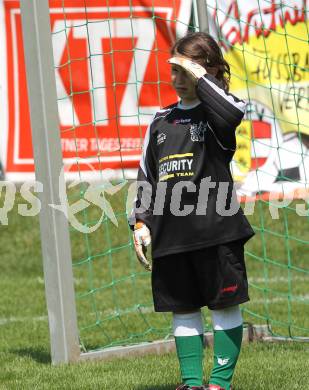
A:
x: 161, y: 138
x: 175, y: 165
x: 197, y: 132
x: 229, y: 289
x: 182, y: 121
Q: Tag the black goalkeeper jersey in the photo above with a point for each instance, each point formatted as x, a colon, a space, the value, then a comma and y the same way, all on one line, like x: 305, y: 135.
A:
x: 185, y: 191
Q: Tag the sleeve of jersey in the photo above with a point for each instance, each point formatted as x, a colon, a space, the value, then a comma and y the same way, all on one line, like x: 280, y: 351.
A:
x: 143, y: 203
x: 224, y: 111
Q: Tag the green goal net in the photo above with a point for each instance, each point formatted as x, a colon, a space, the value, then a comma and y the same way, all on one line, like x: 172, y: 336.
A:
x: 111, y: 76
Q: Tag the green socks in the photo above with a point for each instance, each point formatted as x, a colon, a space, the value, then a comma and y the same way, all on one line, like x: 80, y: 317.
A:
x: 188, y: 332
x: 227, y: 345
x: 190, y: 356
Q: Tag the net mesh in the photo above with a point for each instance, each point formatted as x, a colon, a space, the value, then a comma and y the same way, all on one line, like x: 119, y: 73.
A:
x: 110, y: 63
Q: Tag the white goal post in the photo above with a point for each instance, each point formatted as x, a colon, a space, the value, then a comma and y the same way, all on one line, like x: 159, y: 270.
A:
x: 55, y: 239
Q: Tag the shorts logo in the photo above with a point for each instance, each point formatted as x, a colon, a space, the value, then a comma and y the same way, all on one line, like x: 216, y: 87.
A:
x: 197, y: 131
x: 229, y: 289
x: 161, y: 138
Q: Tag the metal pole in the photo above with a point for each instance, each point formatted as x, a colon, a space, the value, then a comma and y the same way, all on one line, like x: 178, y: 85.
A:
x: 202, y: 15
x: 55, y: 237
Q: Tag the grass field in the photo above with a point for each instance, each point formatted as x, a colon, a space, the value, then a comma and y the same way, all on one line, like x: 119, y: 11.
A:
x: 114, y: 306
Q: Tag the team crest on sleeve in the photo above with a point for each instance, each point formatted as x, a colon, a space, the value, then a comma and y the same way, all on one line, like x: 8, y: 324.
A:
x: 197, y: 131
x: 161, y: 138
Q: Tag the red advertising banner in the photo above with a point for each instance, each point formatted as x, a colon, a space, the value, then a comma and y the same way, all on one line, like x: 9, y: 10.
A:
x: 111, y: 76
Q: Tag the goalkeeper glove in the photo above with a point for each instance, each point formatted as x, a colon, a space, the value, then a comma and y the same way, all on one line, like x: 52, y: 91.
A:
x: 194, y: 70
x: 142, y: 238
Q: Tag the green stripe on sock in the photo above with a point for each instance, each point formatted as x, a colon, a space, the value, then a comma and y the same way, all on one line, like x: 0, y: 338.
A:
x: 227, y: 344
x: 190, y: 356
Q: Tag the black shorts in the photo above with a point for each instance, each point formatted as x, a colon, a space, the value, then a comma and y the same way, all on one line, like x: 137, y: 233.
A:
x: 215, y: 277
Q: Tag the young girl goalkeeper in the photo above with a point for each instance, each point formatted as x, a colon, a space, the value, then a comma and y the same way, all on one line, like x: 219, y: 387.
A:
x: 186, y: 207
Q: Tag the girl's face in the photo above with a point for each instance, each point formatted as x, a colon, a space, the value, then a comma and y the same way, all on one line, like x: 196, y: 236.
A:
x: 183, y: 84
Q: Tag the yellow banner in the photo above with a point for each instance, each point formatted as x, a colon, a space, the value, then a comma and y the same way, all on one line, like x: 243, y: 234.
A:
x: 274, y: 70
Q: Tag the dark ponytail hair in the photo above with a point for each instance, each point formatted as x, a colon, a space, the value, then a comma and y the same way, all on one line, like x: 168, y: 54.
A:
x: 203, y: 49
